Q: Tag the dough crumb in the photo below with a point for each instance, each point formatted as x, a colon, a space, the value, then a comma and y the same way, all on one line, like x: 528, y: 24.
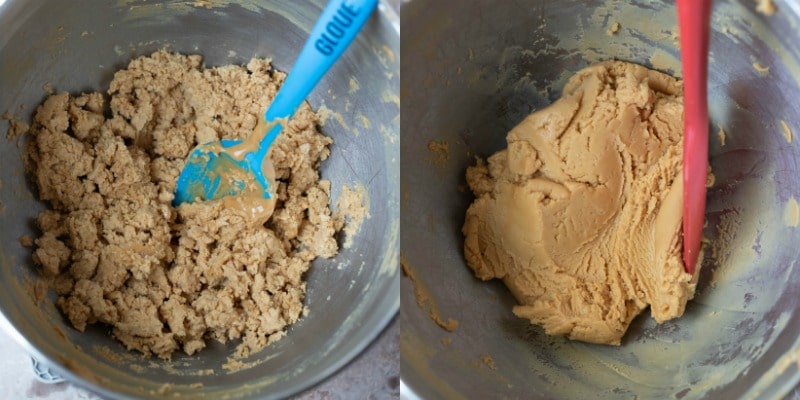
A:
x: 721, y: 135
x: 447, y: 341
x: 354, y: 85
x: 787, y: 132
x: 203, y: 3
x: 36, y: 288
x: 352, y: 209
x: 424, y: 300
x: 164, y: 389
x: 613, y: 29
x: 711, y: 179
x: 163, y: 279
x: 440, y: 151
x: 16, y: 129
x: 766, y: 7
x: 488, y: 361
x: 791, y: 213
x: 727, y: 227
x: 324, y: 114
x: 762, y: 70
x: 26, y: 241
x: 580, y: 215
x: 232, y: 365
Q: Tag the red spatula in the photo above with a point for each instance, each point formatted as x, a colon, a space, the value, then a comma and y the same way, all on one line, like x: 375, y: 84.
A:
x: 693, y: 21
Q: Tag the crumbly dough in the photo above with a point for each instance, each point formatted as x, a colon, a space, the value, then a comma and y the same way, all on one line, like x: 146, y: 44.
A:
x: 351, y: 212
x: 581, y: 215
x: 440, y: 152
x: 424, y: 299
x: 613, y: 29
x: 761, y: 69
x: 787, y: 132
x: 721, y: 135
x: 115, y: 249
x: 766, y: 7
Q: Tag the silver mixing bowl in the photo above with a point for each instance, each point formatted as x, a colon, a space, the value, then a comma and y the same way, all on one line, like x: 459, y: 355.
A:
x: 471, y: 71
x: 351, y: 297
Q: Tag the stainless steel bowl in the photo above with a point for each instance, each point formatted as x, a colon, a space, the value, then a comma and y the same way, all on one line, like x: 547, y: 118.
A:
x: 471, y: 71
x: 77, y: 46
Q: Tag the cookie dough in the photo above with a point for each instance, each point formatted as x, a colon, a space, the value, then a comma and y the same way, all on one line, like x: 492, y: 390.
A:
x: 580, y: 215
x: 115, y: 249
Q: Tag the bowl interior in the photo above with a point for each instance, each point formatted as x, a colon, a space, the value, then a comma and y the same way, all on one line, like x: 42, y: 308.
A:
x: 350, y: 297
x: 478, y: 71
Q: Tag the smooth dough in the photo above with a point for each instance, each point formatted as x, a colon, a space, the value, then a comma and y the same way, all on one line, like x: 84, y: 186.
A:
x: 581, y: 215
x: 163, y: 278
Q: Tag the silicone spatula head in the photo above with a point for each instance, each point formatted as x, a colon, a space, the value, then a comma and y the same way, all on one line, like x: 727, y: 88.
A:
x: 693, y: 22
x: 215, y: 170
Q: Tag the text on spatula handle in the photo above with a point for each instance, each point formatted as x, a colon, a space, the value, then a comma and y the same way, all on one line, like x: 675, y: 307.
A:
x: 335, y: 29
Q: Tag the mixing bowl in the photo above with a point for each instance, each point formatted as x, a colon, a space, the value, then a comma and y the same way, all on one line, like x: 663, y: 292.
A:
x: 77, y: 46
x: 473, y: 70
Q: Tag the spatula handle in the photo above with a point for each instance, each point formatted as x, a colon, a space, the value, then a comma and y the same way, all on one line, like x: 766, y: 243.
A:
x: 336, y: 28
x: 693, y: 20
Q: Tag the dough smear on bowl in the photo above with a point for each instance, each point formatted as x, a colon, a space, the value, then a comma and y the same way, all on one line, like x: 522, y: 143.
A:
x: 580, y: 215
x: 117, y: 252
